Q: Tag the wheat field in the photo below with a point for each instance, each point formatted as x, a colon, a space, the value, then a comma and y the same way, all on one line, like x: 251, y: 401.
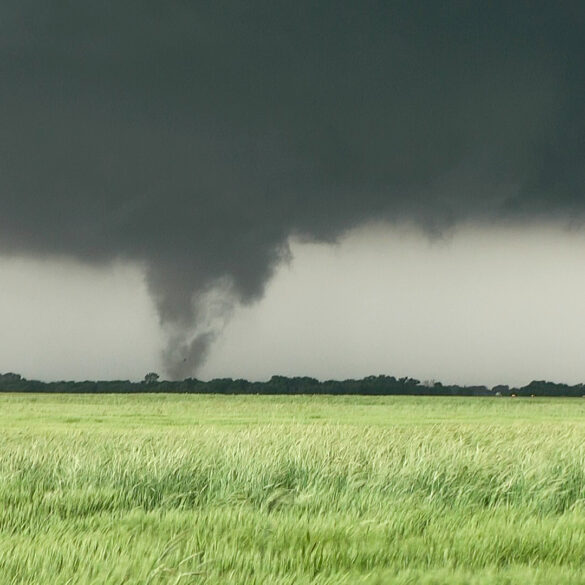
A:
x: 179, y: 489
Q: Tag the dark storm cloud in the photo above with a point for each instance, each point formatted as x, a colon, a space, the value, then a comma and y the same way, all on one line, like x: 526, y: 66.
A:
x: 197, y: 137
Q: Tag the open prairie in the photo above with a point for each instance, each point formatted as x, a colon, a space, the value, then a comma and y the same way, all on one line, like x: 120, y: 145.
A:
x: 179, y: 489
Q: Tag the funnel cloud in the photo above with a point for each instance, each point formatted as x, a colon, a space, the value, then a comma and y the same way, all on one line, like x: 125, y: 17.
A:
x: 196, y: 139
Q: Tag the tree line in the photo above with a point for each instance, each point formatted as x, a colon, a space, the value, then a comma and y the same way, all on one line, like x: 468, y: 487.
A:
x: 370, y: 385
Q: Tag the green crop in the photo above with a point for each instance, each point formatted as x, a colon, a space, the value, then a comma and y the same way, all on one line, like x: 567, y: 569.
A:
x: 159, y: 489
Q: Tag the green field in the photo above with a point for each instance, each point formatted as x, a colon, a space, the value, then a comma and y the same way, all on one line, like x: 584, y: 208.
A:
x: 167, y: 489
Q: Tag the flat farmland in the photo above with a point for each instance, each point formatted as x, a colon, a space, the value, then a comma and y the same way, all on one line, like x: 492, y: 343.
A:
x: 180, y: 489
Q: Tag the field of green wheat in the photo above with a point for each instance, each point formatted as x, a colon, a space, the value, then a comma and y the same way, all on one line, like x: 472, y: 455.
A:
x: 166, y: 489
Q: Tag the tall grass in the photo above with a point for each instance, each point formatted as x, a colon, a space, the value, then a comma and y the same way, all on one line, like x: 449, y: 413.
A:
x: 247, y: 490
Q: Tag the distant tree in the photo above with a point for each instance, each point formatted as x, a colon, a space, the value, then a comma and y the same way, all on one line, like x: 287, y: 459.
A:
x: 10, y: 377
x: 151, y: 378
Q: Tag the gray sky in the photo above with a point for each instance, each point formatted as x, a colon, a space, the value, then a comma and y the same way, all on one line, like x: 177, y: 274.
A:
x: 195, y: 142
x: 480, y: 305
